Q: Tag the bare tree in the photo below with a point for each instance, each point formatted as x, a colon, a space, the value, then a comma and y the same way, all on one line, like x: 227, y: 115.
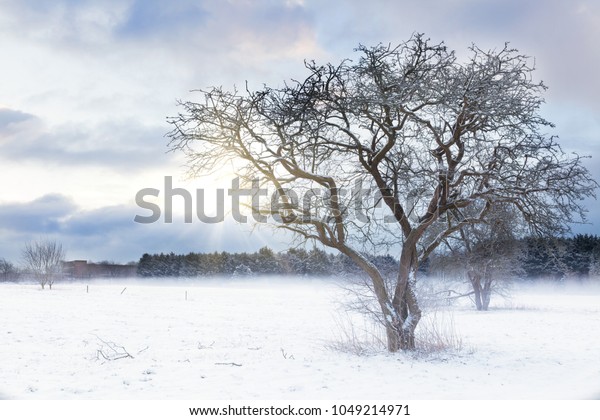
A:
x: 488, y: 254
x: 44, y: 260
x: 8, y: 271
x: 439, y: 140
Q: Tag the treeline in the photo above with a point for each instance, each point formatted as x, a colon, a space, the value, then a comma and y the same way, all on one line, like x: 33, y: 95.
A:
x: 532, y: 258
x: 577, y: 257
x: 297, y: 262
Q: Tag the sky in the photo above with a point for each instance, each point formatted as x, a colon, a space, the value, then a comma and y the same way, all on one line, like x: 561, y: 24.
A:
x: 87, y: 86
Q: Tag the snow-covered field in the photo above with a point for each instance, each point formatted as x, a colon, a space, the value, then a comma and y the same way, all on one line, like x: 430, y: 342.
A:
x: 275, y: 339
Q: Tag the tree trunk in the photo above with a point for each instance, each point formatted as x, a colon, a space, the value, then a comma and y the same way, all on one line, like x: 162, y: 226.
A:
x: 390, y: 317
x: 486, y: 294
x: 405, y: 301
x: 475, y: 279
x: 401, y: 314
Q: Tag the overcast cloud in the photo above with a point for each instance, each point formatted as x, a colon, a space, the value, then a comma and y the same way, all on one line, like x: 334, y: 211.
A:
x: 88, y: 84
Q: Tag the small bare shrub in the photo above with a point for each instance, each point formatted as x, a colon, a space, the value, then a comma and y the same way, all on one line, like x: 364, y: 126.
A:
x: 360, y: 341
x: 437, y: 333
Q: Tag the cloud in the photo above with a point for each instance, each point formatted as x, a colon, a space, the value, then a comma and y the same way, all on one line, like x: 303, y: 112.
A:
x: 44, y: 215
x: 121, y: 146
x: 177, y: 25
x: 10, y: 117
x: 71, y: 22
x: 110, y: 233
x: 154, y: 18
x: 131, y: 60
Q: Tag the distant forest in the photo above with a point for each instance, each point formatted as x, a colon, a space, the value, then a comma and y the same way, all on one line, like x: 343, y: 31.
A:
x: 577, y: 257
x: 265, y: 261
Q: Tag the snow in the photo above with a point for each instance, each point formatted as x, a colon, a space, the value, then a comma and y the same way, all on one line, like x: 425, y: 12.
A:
x: 272, y: 339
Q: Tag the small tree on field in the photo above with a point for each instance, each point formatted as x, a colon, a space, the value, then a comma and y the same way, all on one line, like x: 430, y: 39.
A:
x: 44, y: 260
x: 488, y: 254
x: 7, y: 270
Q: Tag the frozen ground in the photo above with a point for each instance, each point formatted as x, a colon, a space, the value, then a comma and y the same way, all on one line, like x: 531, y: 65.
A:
x: 269, y: 339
